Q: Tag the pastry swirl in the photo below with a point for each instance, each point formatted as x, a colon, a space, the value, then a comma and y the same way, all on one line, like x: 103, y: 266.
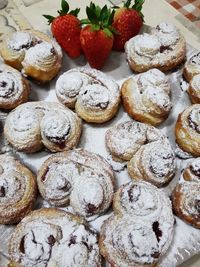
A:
x: 187, y: 130
x: 51, y: 237
x: 34, y: 52
x: 163, y: 48
x: 153, y: 162
x: 146, y: 97
x: 79, y: 178
x: 36, y: 124
x: 14, y: 89
x: 18, y: 190
x: 185, y: 197
x: 125, y: 139
x: 192, y: 67
x: 194, y: 89
x: 141, y: 229
x: 94, y: 95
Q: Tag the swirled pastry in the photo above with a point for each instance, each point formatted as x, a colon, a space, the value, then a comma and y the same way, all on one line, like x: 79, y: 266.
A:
x: 141, y: 229
x: 125, y: 139
x: 153, y: 162
x: 192, y: 67
x: 185, y: 197
x: 187, y: 130
x: 146, y: 97
x: 33, y: 125
x: 51, y: 237
x: 79, y: 178
x: 163, y: 48
x: 194, y: 89
x: 18, y: 190
x: 34, y: 52
x: 14, y: 89
x: 94, y: 95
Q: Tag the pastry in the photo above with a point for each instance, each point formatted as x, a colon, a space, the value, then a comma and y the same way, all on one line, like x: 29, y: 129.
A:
x: 147, y: 149
x: 192, y: 67
x: 163, y: 48
x: 79, y: 178
x: 34, y: 53
x: 33, y: 125
x: 185, y: 197
x: 141, y: 229
x: 153, y: 162
x: 194, y: 89
x: 187, y: 130
x: 54, y: 238
x: 18, y: 190
x: 146, y: 97
x: 14, y: 89
x: 94, y: 95
x: 125, y: 139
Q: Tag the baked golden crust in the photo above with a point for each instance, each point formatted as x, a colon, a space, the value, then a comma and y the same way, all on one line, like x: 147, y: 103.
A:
x: 187, y: 130
x: 185, y: 197
x: 14, y: 88
x: 192, y: 67
x: 163, y: 48
x: 18, y: 190
x: 146, y: 97
x: 53, y: 237
x: 194, y: 89
x: 129, y: 236
x: 33, y: 52
x: 33, y: 125
x: 94, y: 95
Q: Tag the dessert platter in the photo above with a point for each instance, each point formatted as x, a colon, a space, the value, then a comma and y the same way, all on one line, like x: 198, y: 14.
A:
x: 100, y: 168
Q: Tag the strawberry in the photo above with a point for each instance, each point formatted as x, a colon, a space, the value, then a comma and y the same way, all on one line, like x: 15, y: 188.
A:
x: 66, y: 29
x: 127, y: 22
x: 97, y: 37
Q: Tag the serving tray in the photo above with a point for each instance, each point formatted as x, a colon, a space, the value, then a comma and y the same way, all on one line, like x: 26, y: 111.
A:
x: 186, y: 242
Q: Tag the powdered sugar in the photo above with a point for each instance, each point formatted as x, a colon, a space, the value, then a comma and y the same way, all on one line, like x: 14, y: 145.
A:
x: 146, y: 45
x: 81, y: 178
x: 21, y: 40
x: 195, y: 83
x: 48, y: 239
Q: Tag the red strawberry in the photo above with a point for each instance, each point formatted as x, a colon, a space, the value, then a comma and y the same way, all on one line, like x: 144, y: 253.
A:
x: 66, y: 29
x: 127, y: 22
x: 97, y: 38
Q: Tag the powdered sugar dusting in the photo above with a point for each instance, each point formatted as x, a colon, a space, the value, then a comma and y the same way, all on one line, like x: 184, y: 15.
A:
x: 21, y: 40
x: 49, y: 239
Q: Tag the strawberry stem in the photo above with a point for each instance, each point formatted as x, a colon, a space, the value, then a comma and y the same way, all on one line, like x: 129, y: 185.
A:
x: 99, y: 18
x: 64, y: 11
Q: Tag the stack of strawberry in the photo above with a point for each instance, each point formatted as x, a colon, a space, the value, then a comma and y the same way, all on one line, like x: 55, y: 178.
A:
x: 105, y: 29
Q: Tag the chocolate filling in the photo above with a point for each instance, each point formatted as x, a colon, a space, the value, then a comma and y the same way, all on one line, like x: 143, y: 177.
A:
x: 196, y: 59
x: 193, y: 124
x: 90, y: 208
x: 2, y: 191
x: 102, y: 105
x: 197, y: 206
x: 72, y: 240
x: 51, y: 240
x: 132, y: 197
x: 43, y: 178
x: 60, y: 140
x: 157, y: 231
x: 21, y: 246
x: 164, y: 48
x: 3, y: 84
x: 195, y: 171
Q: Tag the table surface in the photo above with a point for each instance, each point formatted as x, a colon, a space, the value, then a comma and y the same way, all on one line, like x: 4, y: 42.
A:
x: 21, y: 14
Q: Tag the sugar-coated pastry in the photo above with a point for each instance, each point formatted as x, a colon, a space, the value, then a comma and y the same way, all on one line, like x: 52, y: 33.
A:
x: 192, y: 67
x: 33, y: 125
x: 187, y: 130
x: 194, y: 89
x: 141, y: 229
x: 154, y: 163
x: 186, y: 197
x: 163, y: 48
x: 125, y: 139
x: 146, y: 97
x: 18, y: 190
x: 33, y: 52
x: 94, y: 95
x: 53, y: 238
x: 14, y: 88
x: 80, y: 178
